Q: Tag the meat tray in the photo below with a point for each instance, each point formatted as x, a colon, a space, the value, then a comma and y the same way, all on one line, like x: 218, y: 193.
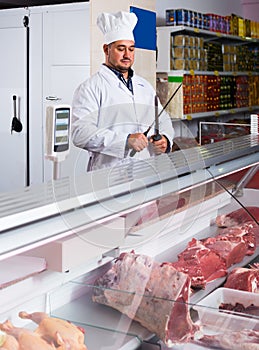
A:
x: 210, y: 315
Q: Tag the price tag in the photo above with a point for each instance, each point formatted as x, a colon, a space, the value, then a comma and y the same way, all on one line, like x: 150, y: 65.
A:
x: 196, y: 30
x: 189, y: 117
x: 216, y: 73
x: 219, y: 34
x: 192, y: 72
x: 217, y: 114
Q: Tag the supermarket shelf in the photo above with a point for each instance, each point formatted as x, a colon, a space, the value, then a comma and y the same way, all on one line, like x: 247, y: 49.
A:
x: 181, y: 73
x: 209, y: 34
x: 164, y: 34
x: 219, y: 113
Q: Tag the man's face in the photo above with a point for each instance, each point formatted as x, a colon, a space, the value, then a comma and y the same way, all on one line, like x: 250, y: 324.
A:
x: 120, y: 55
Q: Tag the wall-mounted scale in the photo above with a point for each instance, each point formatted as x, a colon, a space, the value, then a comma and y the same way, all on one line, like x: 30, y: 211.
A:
x: 57, y: 135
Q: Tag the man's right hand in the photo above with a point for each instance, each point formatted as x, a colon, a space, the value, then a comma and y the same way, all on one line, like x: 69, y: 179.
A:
x: 137, y: 142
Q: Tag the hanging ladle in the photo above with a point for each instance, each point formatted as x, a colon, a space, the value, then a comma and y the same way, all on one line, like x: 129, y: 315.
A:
x: 16, y: 122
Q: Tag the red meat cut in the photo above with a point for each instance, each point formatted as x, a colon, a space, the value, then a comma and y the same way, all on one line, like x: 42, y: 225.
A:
x: 232, y: 251
x: 245, y: 233
x: 244, y: 339
x: 155, y: 295
x: 242, y: 278
x: 200, y: 263
x: 237, y: 217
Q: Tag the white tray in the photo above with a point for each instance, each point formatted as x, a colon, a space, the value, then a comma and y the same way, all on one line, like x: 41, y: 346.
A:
x: 210, y: 316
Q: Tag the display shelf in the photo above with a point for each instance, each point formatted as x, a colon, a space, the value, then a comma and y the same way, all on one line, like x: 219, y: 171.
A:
x: 180, y: 73
x: 210, y: 34
x: 218, y: 113
x: 203, y: 92
x: 121, y: 331
x: 164, y: 42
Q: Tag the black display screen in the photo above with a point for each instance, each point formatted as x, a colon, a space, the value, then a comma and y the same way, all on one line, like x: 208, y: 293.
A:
x: 61, y: 134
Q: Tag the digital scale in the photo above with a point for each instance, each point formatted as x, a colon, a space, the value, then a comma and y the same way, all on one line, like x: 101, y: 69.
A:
x: 57, y: 135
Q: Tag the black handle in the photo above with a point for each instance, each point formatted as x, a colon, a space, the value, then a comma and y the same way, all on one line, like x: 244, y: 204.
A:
x: 156, y: 137
x: 16, y: 123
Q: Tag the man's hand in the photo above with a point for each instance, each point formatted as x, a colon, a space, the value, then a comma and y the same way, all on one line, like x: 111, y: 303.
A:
x: 160, y: 146
x: 137, y: 142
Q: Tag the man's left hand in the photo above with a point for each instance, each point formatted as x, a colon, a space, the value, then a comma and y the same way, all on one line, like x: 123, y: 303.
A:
x: 160, y: 146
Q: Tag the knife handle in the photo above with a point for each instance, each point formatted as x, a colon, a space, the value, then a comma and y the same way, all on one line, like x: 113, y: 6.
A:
x: 156, y: 137
x: 133, y: 152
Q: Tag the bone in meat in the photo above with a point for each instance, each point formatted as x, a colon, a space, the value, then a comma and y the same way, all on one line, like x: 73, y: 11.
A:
x: 154, y: 295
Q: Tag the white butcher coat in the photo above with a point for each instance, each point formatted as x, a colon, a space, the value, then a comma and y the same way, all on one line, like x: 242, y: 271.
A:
x: 105, y: 112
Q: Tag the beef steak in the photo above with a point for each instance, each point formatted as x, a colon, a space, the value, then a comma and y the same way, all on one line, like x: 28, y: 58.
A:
x: 242, y: 278
x: 200, y: 263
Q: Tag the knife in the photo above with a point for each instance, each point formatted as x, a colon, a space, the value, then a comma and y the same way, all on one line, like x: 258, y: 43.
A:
x: 133, y: 152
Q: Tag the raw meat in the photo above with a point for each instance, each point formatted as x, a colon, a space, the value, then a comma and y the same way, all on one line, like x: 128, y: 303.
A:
x: 55, y: 330
x: 155, y: 295
x: 230, y: 250
x: 242, y: 340
x: 239, y: 216
x: 27, y: 339
x: 246, y: 233
x: 10, y: 343
x: 239, y: 308
x: 200, y: 263
x: 245, y: 279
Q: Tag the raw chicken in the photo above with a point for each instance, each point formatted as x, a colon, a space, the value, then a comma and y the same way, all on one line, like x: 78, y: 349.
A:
x: 61, y: 332
x: 156, y: 296
x: 28, y: 340
x: 10, y: 343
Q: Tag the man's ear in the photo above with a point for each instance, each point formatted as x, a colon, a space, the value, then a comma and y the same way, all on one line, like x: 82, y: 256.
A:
x: 105, y: 49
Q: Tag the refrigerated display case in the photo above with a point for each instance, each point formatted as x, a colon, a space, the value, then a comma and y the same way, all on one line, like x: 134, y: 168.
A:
x: 153, y: 211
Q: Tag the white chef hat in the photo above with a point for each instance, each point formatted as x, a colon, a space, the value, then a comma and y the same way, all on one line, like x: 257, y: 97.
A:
x: 117, y: 26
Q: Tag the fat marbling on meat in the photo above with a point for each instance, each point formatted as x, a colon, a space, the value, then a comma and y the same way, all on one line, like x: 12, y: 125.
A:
x: 243, y: 278
x: 200, y: 263
x: 237, y: 217
x: 156, y: 295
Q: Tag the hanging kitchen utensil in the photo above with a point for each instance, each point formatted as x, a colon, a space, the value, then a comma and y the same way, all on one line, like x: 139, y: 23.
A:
x: 16, y: 122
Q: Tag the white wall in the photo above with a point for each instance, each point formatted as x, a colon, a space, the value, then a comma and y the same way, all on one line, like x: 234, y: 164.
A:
x: 251, y: 9
x: 220, y: 7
